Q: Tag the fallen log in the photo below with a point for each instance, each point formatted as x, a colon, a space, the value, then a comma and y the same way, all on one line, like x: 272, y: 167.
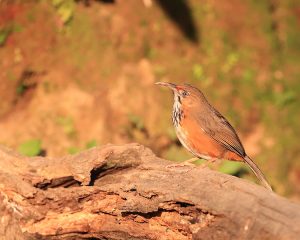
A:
x: 126, y: 192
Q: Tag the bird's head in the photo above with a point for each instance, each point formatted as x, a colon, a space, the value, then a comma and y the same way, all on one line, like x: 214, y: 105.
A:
x: 185, y: 94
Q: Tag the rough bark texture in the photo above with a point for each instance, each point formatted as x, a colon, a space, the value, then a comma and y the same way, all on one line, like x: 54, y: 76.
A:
x: 126, y: 192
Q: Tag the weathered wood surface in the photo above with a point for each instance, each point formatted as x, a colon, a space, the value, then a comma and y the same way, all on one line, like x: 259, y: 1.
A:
x: 126, y: 192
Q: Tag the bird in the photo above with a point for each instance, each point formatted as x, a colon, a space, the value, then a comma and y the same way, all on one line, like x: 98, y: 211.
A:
x: 204, y: 131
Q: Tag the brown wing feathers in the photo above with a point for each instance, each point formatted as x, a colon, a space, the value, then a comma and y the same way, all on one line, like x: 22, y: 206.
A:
x: 221, y: 131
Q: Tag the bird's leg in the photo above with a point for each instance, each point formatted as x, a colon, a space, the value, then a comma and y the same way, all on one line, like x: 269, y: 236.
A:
x: 188, y: 162
x: 213, y: 161
x: 210, y: 161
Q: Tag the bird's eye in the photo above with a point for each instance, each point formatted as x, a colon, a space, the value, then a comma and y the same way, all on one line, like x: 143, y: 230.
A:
x: 184, y: 93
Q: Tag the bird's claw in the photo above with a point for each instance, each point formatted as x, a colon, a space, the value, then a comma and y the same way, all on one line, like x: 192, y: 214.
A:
x: 180, y: 165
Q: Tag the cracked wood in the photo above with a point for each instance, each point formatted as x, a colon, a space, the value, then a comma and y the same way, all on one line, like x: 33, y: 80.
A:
x: 126, y: 192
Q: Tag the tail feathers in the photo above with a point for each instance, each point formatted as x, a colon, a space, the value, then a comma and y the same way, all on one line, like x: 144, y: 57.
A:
x: 257, y: 172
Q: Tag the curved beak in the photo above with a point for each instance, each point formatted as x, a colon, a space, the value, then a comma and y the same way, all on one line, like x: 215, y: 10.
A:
x: 172, y: 86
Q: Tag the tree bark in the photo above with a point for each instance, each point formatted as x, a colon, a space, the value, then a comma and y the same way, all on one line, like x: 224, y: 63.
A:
x: 126, y: 192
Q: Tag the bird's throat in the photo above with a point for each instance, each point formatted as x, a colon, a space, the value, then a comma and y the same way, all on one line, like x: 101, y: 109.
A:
x: 177, y: 115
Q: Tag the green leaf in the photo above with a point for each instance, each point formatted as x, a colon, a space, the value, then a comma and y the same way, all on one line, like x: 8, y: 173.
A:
x: 65, y: 9
x: 67, y: 124
x: 21, y: 89
x: 285, y: 98
x: 90, y: 144
x: 231, y: 168
x: 31, y: 148
x: 3, y: 35
x: 198, y: 72
x: 73, y: 150
x: 231, y: 60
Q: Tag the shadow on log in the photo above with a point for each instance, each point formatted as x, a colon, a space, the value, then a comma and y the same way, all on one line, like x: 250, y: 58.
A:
x: 126, y: 192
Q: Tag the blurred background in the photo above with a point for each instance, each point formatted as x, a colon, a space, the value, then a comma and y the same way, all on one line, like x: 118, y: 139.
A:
x: 78, y: 74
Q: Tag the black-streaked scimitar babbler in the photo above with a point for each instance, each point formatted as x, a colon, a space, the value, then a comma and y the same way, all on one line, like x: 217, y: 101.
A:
x: 203, y: 131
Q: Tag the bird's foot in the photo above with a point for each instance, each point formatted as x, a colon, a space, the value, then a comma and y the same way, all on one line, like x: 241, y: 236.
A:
x: 211, y: 161
x: 187, y: 163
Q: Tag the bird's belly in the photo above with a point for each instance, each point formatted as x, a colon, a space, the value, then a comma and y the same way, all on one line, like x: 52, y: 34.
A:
x: 198, y: 149
x: 199, y: 143
x: 183, y: 138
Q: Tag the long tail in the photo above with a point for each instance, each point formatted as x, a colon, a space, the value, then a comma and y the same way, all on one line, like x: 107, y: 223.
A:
x: 257, y: 172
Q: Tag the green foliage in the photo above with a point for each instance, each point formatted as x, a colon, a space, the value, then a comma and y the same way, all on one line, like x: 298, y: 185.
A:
x: 21, y: 88
x: 198, y: 72
x: 199, y: 161
x: 7, y: 30
x: 65, y: 9
x: 73, y: 150
x: 17, y: 28
x: 285, y: 98
x: 231, y: 168
x: 31, y: 148
x: 67, y: 125
x: 4, y: 33
x: 231, y: 61
x: 248, y: 76
x: 91, y: 144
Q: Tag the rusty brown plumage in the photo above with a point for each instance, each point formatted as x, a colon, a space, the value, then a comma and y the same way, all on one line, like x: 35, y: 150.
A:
x: 204, y: 131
